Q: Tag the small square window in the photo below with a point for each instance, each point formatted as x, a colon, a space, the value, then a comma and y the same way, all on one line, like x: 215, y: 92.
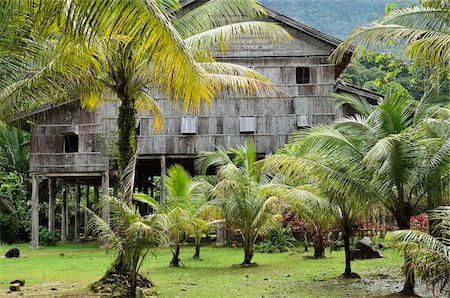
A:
x: 247, y: 124
x: 189, y: 125
x: 303, y: 75
x: 303, y: 121
x: 70, y: 143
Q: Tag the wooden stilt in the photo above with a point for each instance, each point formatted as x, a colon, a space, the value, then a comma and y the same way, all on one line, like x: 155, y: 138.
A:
x: 162, y: 199
x: 64, y: 215
x: 51, y: 204
x: 105, y: 203
x: 35, y: 212
x: 76, y: 236
x: 87, y: 206
x: 96, y: 199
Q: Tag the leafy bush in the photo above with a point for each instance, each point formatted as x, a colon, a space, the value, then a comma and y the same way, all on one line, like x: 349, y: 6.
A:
x: 281, y: 240
x: 47, y: 238
x: 14, y: 211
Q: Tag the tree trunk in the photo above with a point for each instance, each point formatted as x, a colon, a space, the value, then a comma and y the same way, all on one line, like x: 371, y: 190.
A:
x: 248, y: 252
x: 348, y: 268
x: 175, y: 262
x: 197, y: 250
x: 127, y: 130
x: 320, y: 243
x: 403, y: 218
x: 305, y: 241
x: 346, y: 235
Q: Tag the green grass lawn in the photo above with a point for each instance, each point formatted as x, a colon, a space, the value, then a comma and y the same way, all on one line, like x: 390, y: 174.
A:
x: 278, y: 275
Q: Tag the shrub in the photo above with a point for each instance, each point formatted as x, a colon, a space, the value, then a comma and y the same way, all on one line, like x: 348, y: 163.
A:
x: 280, y: 240
x: 47, y: 238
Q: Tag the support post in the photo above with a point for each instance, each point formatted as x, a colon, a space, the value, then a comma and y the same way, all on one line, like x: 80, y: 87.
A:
x: 162, y: 198
x: 96, y: 199
x: 35, y: 212
x: 51, y: 204
x: 116, y: 189
x: 76, y: 235
x: 105, y: 203
x: 87, y: 206
x: 64, y: 215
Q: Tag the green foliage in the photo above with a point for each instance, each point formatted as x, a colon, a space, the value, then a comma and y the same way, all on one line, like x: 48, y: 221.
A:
x: 377, y: 72
x: 241, y: 193
x: 13, y: 150
x: 280, y: 240
x: 429, y: 256
x: 421, y: 31
x: 131, y: 235
x: 14, y: 211
x: 47, y: 238
x: 373, y: 71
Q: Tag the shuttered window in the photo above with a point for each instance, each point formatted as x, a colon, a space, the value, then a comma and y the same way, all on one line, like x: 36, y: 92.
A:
x: 189, y: 125
x: 303, y: 121
x: 247, y: 124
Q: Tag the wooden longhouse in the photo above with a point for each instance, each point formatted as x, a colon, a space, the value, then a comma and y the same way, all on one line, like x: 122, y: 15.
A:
x: 76, y: 147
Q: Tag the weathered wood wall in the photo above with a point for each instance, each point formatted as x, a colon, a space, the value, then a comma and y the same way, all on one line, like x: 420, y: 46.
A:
x: 227, y: 122
x: 47, y: 142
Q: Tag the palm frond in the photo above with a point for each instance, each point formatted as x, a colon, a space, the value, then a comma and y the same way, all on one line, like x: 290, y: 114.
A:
x: 220, y: 38
x: 216, y: 13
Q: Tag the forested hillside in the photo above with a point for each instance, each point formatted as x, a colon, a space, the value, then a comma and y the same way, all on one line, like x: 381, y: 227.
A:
x: 335, y: 17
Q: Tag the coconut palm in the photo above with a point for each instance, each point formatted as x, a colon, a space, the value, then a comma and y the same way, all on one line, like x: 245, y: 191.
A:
x: 131, y: 235
x: 203, y: 215
x: 331, y: 159
x: 406, y: 147
x: 306, y: 200
x: 421, y: 30
x: 387, y: 153
x: 429, y: 256
x: 241, y: 193
x: 180, y: 193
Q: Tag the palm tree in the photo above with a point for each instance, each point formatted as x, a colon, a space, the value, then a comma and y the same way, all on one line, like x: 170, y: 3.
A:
x: 421, y: 30
x: 388, y: 153
x: 204, y: 215
x: 131, y: 235
x: 241, y: 193
x: 429, y: 256
x: 331, y: 157
x: 405, y: 146
x: 180, y: 192
x: 308, y: 202
x: 113, y: 48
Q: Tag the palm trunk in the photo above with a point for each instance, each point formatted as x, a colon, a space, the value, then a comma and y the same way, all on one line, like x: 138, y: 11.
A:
x: 305, y: 241
x: 134, y: 274
x: 248, y: 252
x: 175, y: 262
x: 347, y: 233
x: 348, y: 268
x: 403, y: 217
x: 319, y: 245
x: 127, y: 130
x: 197, y: 250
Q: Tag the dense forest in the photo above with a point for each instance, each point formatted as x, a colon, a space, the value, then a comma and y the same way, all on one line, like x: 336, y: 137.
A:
x: 335, y: 17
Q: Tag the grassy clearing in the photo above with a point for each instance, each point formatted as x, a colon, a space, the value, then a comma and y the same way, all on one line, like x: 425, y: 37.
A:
x: 278, y: 275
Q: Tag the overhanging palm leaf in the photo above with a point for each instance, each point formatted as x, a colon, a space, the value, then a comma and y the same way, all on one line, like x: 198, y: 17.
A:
x: 429, y: 256
x: 422, y: 30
